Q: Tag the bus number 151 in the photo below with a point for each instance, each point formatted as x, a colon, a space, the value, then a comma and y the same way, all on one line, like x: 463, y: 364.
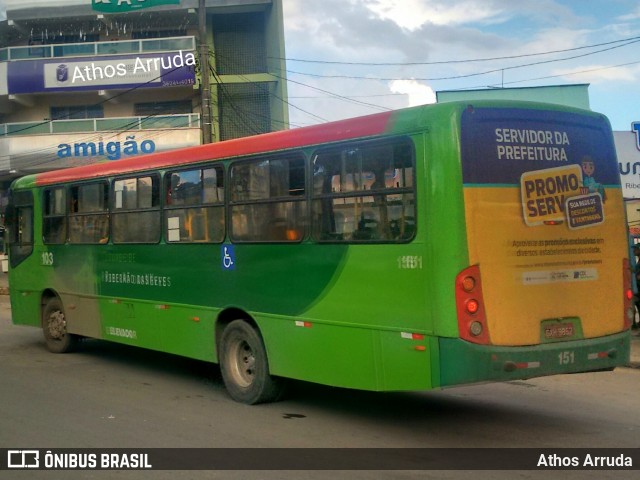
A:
x: 566, y: 358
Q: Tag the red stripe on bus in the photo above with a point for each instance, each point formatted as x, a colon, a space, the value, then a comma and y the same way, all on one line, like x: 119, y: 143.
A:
x: 317, y: 134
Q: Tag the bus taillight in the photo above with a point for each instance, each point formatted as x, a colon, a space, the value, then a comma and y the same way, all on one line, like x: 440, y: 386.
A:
x: 473, y: 306
x: 472, y: 322
x: 629, y: 312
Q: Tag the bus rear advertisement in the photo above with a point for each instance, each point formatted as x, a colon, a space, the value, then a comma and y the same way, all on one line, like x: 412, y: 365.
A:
x: 416, y: 249
x: 545, y: 224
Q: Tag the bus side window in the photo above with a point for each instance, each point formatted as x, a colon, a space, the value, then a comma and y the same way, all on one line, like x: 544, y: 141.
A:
x: 268, y: 199
x: 54, y: 216
x: 136, y: 210
x: 89, y: 215
x: 195, y: 206
x: 364, y: 192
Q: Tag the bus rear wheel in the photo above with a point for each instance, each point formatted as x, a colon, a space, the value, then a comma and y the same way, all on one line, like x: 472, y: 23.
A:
x: 54, y: 327
x: 244, y: 365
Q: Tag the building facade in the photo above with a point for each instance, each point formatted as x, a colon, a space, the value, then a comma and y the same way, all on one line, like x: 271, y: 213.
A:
x: 81, y: 83
x: 572, y: 95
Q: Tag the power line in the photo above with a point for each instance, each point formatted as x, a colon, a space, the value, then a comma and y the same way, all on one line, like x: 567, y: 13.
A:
x: 572, y: 73
x: 249, y: 126
x: 349, y: 99
x: 248, y: 80
x: 447, y: 62
x: 340, y: 97
x: 306, y: 97
x: 252, y: 128
x: 469, y: 75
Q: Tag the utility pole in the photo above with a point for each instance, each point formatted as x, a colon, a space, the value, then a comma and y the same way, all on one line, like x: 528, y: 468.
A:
x: 205, y: 86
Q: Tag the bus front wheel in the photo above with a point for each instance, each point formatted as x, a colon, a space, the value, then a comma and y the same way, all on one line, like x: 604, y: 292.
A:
x: 54, y: 327
x: 244, y: 365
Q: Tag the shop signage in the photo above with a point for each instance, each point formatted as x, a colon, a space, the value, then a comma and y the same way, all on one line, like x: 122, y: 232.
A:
x: 176, y: 69
x: 119, y: 6
x: 33, y: 153
x: 628, y: 153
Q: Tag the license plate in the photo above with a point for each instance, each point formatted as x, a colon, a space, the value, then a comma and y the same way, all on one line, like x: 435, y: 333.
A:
x: 558, y: 330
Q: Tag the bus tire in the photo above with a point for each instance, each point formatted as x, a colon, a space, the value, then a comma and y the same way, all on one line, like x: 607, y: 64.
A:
x: 54, y: 327
x: 244, y: 365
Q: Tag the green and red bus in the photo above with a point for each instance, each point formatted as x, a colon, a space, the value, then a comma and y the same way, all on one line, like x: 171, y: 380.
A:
x: 409, y: 250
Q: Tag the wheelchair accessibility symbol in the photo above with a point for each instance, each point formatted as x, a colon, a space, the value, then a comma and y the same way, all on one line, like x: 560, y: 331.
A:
x: 228, y: 257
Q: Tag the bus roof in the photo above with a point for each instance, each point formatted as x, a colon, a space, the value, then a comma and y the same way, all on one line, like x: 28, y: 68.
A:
x: 275, y: 141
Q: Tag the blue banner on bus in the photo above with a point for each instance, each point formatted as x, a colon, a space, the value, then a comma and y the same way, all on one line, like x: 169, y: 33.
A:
x: 499, y: 145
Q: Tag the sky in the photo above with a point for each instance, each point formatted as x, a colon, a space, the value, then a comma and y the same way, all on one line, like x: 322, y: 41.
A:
x: 352, y: 57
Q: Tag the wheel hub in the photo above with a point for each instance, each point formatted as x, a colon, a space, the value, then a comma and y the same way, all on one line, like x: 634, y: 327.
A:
x: 243, y: 368
x: 57, y: 325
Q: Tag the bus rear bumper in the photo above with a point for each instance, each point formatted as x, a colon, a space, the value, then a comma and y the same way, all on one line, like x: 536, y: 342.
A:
x: 463, y: 362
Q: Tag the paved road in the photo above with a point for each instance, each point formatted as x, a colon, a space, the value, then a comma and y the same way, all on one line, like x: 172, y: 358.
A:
x: 108, y: 395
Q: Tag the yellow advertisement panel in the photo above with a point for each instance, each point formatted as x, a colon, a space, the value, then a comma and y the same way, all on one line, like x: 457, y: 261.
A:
x: 546, y: 229
x: 530, y: 275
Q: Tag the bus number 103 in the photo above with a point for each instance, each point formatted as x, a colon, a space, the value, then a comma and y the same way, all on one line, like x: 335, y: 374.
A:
x: 566, y: 358
x: 47, y: 258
